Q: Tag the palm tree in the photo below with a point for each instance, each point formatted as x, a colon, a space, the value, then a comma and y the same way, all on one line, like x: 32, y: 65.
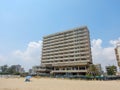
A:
x: 111, y: 70
x: 92, y: 71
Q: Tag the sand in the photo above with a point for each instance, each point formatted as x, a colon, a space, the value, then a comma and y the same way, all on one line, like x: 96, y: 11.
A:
x: 56, y: 84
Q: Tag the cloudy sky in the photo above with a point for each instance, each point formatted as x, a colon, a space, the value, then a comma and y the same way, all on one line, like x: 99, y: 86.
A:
x: 23, y: 23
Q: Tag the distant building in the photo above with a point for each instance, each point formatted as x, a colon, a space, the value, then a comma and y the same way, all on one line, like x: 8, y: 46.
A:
x: 66, y: 52
x: 0, y: 69
x: 18, y: 68
x: 40, y: 70
x: 30, y: 71
x: 34, y: 70
x: 99, y: 68
x: 117, y: 53
x: 22, y: 70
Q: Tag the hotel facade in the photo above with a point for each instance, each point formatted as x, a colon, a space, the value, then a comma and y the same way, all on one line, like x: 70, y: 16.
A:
x: 66, y: 53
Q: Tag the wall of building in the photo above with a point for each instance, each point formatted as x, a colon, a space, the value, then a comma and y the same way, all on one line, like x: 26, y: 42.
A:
x: 69, y: 50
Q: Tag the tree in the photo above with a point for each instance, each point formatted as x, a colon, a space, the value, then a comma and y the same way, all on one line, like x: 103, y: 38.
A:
x: 4, y: 68
x: 92, y: 71
x: 12, y: 70
x: 111, y: 70
x: 9, y: 70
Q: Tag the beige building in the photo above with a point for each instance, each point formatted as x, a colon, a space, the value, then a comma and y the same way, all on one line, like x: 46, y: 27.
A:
x: 99, y: 68
x: 67, y: 53
x: 117, y: 52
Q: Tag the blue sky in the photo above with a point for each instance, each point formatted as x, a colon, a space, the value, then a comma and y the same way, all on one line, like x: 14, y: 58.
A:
x: 23, y: 22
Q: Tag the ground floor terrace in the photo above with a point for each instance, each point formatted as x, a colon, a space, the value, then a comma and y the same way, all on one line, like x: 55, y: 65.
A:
x: 64, y: 69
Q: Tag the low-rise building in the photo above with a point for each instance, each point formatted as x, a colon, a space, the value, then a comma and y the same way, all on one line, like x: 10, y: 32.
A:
x: 99, y: 68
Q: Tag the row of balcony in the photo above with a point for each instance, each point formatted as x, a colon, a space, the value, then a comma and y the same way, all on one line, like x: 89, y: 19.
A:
x: 66, y: 38
x: 70, y: 45
x: 67, y: 46
x: 65, y: 50
x: 56, y: 54
x: 59, y: 35
x: 68, y: 71
x: 67, y: 61
x: 64, y: 58
x: 63, y: 40
x: 67, y: 54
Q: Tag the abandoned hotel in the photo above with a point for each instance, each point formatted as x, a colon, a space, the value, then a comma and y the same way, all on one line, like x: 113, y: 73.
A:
x: 66, y: 53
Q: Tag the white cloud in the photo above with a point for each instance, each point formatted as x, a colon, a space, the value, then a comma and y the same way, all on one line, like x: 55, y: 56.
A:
x: 27, y: 58
x: 32, y: 54
x: 114, y: 42
x: 104, y: 56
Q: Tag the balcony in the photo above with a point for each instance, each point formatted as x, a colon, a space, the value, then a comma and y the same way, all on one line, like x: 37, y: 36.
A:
x: 68, y: 71
x: 70, y: 63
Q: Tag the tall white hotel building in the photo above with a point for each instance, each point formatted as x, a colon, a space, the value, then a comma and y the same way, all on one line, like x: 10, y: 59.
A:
x: 67, y: 52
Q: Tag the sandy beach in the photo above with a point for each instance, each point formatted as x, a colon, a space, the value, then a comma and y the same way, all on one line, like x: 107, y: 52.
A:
x: 56, y: 84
